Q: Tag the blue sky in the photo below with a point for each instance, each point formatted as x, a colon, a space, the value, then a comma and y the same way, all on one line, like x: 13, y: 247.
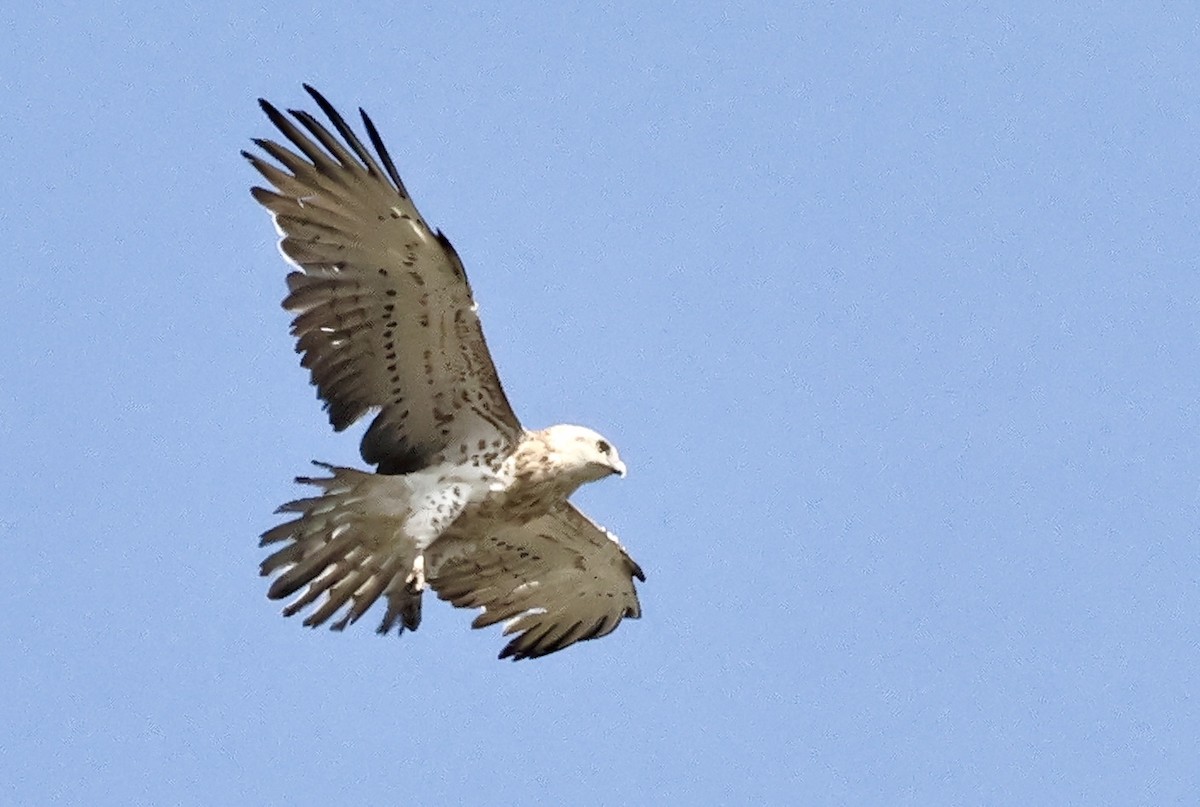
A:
x: 892, y: 312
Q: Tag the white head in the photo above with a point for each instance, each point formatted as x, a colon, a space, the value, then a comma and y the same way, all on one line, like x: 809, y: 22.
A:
x: 584, y: 454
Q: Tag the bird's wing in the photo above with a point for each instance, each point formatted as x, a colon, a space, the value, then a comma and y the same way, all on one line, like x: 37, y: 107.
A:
x: 385, y: 318
x: 556, y: 580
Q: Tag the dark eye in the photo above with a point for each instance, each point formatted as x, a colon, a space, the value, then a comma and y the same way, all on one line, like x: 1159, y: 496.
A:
x: 603, y: 447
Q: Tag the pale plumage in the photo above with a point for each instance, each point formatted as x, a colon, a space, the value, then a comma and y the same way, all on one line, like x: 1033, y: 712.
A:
x: 463, y: 498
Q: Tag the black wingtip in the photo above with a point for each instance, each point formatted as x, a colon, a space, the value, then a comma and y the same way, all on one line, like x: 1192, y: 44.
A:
x: 510, y: 651
x: 323, y: 103
x: 316, y: 96
x: 269, y: 108
x: 274, y: 115
x: 382, y: 151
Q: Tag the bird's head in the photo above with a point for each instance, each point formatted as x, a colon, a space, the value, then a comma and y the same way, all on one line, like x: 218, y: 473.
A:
x: 583, y: 452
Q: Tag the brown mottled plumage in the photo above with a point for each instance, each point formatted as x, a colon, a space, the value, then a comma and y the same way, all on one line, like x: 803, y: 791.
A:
x: 463, y: 499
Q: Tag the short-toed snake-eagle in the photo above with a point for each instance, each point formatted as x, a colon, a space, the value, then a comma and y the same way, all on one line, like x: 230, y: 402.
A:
x: 462, y: 499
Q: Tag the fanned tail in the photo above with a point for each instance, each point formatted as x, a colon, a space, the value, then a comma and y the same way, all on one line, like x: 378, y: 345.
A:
x: 341, y: 555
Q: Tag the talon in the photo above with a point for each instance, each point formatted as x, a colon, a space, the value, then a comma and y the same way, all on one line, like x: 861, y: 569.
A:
x: 415, y: 582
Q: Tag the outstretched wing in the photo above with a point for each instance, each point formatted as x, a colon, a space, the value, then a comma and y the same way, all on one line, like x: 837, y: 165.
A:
x: 385, y: 317
x: 556, y: 580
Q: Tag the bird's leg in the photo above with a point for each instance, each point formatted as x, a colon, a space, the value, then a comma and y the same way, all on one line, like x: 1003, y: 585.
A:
x: 415, y: 582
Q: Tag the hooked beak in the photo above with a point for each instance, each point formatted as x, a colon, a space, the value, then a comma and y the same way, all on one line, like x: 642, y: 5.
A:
x: 618, y: 468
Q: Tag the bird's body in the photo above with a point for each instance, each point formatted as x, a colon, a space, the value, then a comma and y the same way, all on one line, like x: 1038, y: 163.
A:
x: 463, y: 499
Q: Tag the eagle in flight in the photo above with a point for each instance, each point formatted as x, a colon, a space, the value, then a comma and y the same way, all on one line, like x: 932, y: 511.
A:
x: 462, y: 500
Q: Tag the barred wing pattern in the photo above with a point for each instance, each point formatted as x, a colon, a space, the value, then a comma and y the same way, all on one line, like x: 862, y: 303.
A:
x: 386, y: 322
x: 555, y: 581
x: 385, y: 318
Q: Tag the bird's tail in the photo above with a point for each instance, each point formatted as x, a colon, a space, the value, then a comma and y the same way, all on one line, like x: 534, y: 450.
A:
x: 342, y: 551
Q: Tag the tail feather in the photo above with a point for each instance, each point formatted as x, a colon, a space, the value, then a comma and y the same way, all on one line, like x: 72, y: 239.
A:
x: 375, y: 587
x: 352, y: 578
x: 281, y: 533
x: 308, y: 559
x: 342, y: 554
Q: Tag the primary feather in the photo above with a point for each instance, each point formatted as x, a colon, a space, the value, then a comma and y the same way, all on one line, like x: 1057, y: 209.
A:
x: 463, y: 499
